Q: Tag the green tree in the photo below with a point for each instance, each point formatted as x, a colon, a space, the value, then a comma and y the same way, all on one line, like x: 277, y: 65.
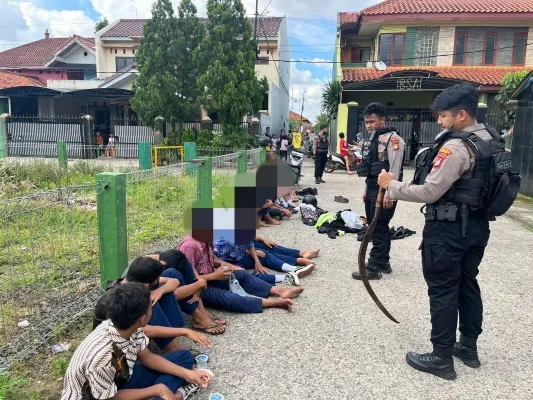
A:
x: 510, y: 83
x: 227, y: 56
x: 322, y: 121
x: 101, y: 24
x: 167, y: 79
x: 331, y: 97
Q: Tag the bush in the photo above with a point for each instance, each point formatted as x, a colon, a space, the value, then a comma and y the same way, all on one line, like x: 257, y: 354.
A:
x: 188, y: 135
x: 205, y: 138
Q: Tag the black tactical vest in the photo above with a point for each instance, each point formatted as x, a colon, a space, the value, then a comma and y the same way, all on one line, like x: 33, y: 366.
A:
x: 471, y: 191
x: 371, y: 166
x: 322, y: 145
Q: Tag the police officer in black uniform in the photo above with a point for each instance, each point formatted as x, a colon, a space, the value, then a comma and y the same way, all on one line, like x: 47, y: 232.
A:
x: 451, y: 180
x: 321, y: 147
x: 383, y: 150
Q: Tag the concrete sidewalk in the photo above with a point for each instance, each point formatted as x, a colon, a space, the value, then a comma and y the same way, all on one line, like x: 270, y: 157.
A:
x: 337, y: 344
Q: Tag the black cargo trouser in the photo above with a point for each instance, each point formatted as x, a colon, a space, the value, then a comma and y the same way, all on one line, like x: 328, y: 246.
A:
x: 381, y: 238
x: 450, y: 264
x: 321, y: 158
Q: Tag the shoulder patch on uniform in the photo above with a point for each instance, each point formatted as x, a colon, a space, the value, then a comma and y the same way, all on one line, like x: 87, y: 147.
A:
x: 444, y: 153
x: 395, y: 141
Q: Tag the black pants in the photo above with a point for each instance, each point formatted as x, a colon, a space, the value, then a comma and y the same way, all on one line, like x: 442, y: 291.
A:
x: 283, y: 154
x: 381, y: 238
x: 321, y: 158
x: 450, y: 265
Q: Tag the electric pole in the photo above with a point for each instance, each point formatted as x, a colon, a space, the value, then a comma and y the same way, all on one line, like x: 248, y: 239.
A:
x: 302, y: 113
x: 255, y: 26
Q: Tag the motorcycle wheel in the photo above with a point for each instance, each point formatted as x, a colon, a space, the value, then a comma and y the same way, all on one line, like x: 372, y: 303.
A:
x: 330, y: 167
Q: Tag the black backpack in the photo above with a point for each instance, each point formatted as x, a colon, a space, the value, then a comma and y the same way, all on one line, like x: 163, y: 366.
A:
x: 501, y: 182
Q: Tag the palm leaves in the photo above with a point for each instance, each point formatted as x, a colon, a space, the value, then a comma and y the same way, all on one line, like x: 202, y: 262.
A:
x: 331, y: 97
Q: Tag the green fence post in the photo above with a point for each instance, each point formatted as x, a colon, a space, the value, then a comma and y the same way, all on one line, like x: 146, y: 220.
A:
x: 205, y: 179
x: 241, y: 162
x: 112, y: 226
x: 3, y: 134
x: 189, y: 149
x: 62, y: 154
x: 262, y: 156
x: 145, y: 155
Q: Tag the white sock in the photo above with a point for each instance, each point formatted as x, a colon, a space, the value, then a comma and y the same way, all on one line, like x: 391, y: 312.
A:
x: 279, y: 278
x: 288, y: 268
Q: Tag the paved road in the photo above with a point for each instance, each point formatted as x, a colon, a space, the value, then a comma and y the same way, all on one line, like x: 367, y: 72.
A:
x: 338, y: 345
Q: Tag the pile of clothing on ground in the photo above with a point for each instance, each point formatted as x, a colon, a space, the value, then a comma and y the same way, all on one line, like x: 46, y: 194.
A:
x: 338, y: 223
x: 327, y: 222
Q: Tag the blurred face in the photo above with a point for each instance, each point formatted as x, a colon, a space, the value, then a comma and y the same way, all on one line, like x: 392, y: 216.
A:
x: 374, y: 122
x: 454, y: 121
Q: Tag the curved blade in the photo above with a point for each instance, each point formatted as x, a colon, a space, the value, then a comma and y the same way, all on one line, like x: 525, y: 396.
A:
x: 362, y: 257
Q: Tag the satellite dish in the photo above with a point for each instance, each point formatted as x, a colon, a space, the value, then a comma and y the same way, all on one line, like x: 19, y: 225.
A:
x: 381, y: 66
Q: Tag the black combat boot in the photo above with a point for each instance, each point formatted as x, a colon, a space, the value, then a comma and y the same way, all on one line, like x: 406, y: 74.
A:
x: 384, y: 267
x: 432, y: 364
x: 322, y: 180
x: 372, y: 271
x: 317, y: 181
x: 466, y: 351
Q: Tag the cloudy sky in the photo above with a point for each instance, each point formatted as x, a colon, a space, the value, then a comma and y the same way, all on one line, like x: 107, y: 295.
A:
x: 311, y: 30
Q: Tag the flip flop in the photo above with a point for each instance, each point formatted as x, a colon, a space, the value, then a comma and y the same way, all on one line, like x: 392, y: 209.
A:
x: 205, y: 330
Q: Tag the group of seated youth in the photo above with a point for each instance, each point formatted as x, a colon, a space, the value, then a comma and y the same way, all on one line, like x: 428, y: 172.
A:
x: 114, y: 361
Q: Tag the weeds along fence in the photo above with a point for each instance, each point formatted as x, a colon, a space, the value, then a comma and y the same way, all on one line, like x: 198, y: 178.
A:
x: 60, y: 247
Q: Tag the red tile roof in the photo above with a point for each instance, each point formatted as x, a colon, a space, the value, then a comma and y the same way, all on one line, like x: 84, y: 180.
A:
x: 12, y: 79
x: 348, y: 17
x: 266, y: 26
x: 40, y: 52
x: 486, y: 76
x: 449, y: 6
x: 293, y: 115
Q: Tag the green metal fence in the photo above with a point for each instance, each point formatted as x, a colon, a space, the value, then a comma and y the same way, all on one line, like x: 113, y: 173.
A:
x: 59, y: 248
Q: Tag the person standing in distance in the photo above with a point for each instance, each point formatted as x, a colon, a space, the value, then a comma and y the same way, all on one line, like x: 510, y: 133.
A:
x: 384, y: 149
x: 446, y: 180
x: 320, y: 150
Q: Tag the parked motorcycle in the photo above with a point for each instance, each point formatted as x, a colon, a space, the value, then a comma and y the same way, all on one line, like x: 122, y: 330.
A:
x: 296, y: 159
x: 337, y: 162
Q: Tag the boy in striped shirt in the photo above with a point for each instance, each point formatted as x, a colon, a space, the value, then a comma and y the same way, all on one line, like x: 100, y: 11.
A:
x: 104, y: 366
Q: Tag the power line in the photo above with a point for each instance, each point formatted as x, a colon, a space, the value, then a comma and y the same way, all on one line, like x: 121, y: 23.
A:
x: 418, y: 58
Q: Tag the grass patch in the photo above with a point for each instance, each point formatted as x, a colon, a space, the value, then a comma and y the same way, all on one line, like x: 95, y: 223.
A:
x: 49, y: 247
x: 525, y: 199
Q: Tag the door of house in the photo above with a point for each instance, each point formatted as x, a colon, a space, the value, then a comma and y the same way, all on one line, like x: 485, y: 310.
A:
x: 101, y: 122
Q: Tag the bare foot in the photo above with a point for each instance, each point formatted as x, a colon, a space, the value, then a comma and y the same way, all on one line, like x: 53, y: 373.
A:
x: 279, y: 303
x: 303, y: 261
x: 310, y: 253
x: 263, y: 224
x: 291, y: 293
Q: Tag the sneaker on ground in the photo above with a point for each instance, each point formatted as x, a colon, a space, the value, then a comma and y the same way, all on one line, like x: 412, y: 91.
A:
x: 291, y: 279
x: 302, y: 272
x: 189, y: 390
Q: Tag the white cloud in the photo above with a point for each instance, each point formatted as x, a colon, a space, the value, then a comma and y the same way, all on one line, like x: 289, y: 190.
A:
x: 28, y: 23
x: 303, y: 80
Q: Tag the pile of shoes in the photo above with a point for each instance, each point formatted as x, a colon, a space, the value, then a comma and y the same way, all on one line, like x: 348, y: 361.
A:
x: 400, y: 233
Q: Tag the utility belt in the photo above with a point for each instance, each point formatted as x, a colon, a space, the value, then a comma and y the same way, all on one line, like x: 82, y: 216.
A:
x: 452, y: 212
x: 448, y: 212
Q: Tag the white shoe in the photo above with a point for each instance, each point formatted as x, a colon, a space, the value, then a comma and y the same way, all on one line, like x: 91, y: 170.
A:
x: 292, y: 279
x: 302, y: 272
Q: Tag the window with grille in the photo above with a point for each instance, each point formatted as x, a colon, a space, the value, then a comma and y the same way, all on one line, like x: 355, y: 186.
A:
x: 426, y: 51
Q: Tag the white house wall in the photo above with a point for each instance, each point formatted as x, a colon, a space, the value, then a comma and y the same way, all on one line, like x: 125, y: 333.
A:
x: 77, y: 56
